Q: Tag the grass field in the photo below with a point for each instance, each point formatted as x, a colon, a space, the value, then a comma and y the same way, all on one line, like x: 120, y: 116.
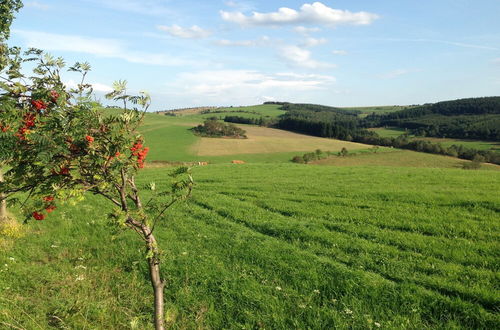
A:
x: 400, y: 158
x: 276, y: 247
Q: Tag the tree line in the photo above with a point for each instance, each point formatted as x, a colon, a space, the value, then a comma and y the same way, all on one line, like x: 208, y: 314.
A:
x: 473, y: 118
x: 334, y: 123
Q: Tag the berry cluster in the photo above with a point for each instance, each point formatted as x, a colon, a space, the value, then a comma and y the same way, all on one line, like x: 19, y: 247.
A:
x: 39, y: 105
x: 28, y: 122
x: 49, y: 208
x: 139, y: 151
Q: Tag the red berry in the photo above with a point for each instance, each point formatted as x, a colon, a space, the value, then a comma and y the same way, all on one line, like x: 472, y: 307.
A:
x: 89, y: 139
x: 38, y: 216
x: 50, y: 208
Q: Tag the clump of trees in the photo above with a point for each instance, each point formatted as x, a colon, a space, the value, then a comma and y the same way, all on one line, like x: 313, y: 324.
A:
x: 261, y: 121
x: 311, y: 156
x: 215, y: 128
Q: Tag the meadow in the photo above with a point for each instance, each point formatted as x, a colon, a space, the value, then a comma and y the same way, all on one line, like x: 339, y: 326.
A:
x: 278, y: 247
x: 382, y: 238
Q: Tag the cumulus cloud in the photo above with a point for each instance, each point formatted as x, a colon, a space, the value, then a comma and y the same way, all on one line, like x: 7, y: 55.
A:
x: 193, y: 32
x: 262, y: 41
x: 339, y: 52
x: 315, y: 13
x: 305, y: 31
x: 300, y: 57
x: 312, y: 42
x: 230, y: 86
x: 102, y: 47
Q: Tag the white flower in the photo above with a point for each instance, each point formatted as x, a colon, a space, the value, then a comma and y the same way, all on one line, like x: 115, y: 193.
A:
x: 11, y: 259
x: 316, y: 291
x: 377, y: 324
x: 348, y: 311
x: 80, y: 278
x: 80, y: 267
x: 278, y: 288
x: 54, y: 246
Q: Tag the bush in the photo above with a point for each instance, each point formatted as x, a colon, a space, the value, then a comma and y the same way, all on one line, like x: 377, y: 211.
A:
x: 298, y: 159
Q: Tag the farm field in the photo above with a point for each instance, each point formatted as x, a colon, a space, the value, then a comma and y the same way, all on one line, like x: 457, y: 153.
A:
x: 282, y: 246
x: 269, y: 140
x: 400, y: 158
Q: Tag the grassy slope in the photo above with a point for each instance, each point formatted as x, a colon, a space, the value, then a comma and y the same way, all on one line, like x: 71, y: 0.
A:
x: 400, y: 158
x: 282, y: 246
x: 170, y: 139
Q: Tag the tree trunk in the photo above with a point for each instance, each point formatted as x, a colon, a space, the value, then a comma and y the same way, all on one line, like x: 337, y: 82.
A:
x: 153, y: 256
x: 3, y: 202
x: 156, y: 282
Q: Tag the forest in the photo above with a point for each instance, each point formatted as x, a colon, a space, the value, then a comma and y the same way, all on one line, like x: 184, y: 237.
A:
x: 477, y: 118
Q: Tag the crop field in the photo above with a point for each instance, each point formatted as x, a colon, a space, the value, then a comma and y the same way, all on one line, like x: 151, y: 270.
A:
x: 269, y: 140
x: 276, y: 247
x: 399, y: 158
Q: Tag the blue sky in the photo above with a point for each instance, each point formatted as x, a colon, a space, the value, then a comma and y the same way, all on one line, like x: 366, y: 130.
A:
x: 229, y: 52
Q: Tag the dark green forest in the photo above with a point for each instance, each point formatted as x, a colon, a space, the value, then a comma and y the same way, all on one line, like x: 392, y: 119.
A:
x: 475, y: 118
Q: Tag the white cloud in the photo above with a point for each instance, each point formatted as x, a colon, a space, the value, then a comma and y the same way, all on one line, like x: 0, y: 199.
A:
x: 339, y: 52
x: 238, y: 86
x: 312, y: 42
x: 302, y: 57
x: 305, y: 31
x: 109, y: 48
x: 262, y: 41
x: 97, y: 87
x: 315, y: 13
x: 193, y: 32
x: 36, y: 5
x: 397, y: 73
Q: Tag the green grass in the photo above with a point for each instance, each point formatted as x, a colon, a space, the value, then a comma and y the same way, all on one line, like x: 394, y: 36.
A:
x: 399, y: 158
x: 278, y: 247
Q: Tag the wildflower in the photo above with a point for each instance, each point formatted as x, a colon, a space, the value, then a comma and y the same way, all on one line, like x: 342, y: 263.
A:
x: 48, y: 198
x: 348, y: 311
x: 278, y: 288
x: 377, y: 324
x: 89, y: 139
x: 316, y: 291
x: 80, y: 278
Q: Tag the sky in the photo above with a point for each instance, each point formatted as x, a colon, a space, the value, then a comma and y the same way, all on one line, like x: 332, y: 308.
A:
x: 189, y: 53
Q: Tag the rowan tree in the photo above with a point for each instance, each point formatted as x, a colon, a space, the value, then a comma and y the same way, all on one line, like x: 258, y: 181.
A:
x: 57, y: 147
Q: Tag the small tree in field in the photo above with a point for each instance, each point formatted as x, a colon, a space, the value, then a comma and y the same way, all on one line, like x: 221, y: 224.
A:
x: 57, y: 147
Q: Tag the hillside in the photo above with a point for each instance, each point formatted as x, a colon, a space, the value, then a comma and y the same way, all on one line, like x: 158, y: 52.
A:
x: 474, y: 118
